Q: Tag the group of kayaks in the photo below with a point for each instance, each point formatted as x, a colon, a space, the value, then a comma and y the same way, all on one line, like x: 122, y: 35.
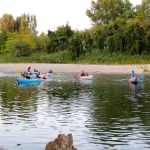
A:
x: 33, y: 79
x: 89, y: 77
x: 37, y: 78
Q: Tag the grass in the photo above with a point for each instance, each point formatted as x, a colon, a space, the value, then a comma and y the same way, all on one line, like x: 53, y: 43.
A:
x: 61, y: 57
x: 94, y: 57
x: 115, y: 58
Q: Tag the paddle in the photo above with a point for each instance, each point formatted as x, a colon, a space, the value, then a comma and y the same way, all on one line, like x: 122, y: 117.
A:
x: 19, y: 69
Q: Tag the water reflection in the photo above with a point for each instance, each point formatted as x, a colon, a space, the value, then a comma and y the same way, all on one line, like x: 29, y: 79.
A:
x: 105, y: 113
x: 116, y: 120
x: 137, y: 87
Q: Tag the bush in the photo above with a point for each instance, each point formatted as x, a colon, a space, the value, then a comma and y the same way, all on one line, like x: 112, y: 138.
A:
x: 59, y: 57
x: 17, y: 48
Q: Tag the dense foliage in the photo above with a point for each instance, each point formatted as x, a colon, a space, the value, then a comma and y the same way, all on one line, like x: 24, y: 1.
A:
x: 118, y: 29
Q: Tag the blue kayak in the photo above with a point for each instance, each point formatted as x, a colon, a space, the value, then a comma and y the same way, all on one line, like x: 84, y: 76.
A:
x: 34, y: 80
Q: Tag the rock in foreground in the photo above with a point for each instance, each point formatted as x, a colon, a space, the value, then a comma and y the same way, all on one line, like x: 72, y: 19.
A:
x: 62, y: 142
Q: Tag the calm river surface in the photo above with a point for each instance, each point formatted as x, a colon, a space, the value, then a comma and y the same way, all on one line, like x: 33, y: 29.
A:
x: 105, y: 113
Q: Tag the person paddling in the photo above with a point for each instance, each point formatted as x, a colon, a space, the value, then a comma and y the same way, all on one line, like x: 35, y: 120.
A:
x: 25, y: 75
x: 133, y: 74
x: 50, y: 71
x: 29, y: 68
x: 83, y: 73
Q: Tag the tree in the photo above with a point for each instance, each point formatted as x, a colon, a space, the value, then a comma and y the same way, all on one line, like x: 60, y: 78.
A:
x: 87, y: 41
x: 17, y: 24
x: 33, y: 24
x: 59, y: 39
x: 76, y: 45
x: 99, y: 35
x: 106, y: 11
x: 116, y: 38
x: 62, y: 35
x: 3, y: 39
x: 19, y: 49
x: 27, y: 24
x: 52, y: 42
x: 16, y: 37
x: 137, y: 32
x: 143, y: 10
x: 43, y: 42
x: 7, y: 23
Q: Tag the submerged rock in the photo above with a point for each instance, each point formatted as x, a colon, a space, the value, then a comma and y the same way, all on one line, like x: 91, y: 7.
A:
x: 62, y: 142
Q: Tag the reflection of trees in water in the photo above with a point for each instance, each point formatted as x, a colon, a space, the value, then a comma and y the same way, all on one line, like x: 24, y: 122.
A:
x: 65, y: 97
x: 137, y: 87
x: 114, y: 114
x: 109, y: 101
x: 16, y: 99
x: 20, y: 99
x: 66, y: 90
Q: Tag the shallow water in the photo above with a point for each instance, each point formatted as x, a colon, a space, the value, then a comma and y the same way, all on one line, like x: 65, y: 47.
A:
x: 104, y: 113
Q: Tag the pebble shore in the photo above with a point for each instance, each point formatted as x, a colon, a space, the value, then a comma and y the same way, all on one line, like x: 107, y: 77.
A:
x: 73, y: 68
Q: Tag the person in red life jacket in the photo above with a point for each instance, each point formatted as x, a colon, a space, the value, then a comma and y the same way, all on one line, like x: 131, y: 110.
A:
x: 29, y: 68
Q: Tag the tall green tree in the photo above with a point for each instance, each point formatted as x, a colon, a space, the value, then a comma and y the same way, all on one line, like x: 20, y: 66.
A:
x: 33, y: 24
x: 17, y: 24
x: 143, y: 10
x: 7, y: 23
x: 18, y: 48
x: 62, y: 35
x: 99, y: 35
x: 27, y: 24
x: 43, y: 42
x: 52, y: 42
x: 59, y: 39
x: 24, y: 24
x: 106, y: 11
x: 76, y: 45
x: 87, y: 41
x: 3, y: 39
x: 116, y: 38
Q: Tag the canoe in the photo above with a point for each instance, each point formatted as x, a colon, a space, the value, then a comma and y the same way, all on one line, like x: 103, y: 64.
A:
x: 134, y: 80
x: 87, y: 77
x: 24, y: 80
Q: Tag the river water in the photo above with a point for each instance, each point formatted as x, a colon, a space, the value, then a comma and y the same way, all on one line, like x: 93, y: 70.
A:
x: 104, y: 113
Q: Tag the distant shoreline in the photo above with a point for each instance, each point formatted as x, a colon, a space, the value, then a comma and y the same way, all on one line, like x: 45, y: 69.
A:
x: 74, y: 68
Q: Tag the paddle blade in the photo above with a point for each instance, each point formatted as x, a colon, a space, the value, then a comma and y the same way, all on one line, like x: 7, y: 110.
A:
x: 142, y: 76
x: 18, y: 69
